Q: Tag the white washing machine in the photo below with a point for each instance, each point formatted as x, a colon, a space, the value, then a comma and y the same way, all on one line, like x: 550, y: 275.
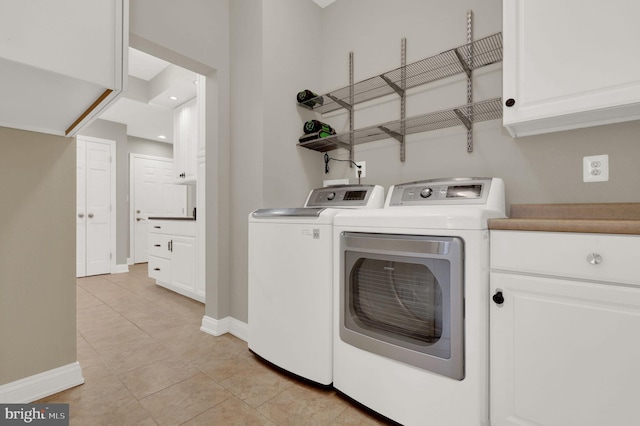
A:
x: 411, y: 284
x: 291, y: 279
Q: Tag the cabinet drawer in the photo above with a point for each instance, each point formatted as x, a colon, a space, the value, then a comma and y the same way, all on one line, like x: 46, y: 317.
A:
x: 160, y: 269
x: 596, y: 257
x: 160, y: 227
x: 159, y: 245
x: 184, y: 228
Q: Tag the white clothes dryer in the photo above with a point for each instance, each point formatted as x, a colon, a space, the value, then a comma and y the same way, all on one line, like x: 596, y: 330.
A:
x: 411, y: 285
x: 291, y: 279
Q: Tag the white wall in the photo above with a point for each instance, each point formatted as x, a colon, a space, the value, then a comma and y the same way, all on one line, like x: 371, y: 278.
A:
x: 149, y: 147
x: 270, y: 41
x: 247, y: 137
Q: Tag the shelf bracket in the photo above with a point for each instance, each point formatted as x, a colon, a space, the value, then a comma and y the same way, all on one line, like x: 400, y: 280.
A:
x: 465, y: 121
x: 397, y: 136
x: 463, y: 63
x: 391, y: 84
x: 340, y: 102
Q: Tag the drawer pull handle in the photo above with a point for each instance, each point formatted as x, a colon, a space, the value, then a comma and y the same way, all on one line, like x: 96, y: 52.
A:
x: 157, y: 245
x: 156, y: 269
x: 594, y: 259
x: 158, y: 227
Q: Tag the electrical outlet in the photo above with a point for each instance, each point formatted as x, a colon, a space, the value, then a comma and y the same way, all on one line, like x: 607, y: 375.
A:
x: 362, y: 169
x: 595, y: 168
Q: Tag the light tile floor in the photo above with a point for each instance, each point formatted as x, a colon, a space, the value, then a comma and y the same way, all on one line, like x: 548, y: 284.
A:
x: 146, y: 362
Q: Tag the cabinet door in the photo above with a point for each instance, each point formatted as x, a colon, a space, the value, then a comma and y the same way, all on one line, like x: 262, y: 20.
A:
x: 185, y: 124
x: 183, y: 263
x: 563, y: 352
x: 570, y: 64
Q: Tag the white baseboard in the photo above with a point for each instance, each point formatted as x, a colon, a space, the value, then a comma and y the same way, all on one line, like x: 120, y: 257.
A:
x: 121, y: 269
x: 41, y: 385
x: 239, y: 329
x: 218, y: 327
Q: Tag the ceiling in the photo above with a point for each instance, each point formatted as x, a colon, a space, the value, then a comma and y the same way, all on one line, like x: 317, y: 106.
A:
x: 146, y: 107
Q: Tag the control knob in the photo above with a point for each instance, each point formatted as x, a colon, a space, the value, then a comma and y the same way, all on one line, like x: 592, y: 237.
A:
x: 331, y: 196
x: 426, y: 192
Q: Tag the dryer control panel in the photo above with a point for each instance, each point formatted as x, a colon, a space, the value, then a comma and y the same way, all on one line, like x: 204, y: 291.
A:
x: 345, y: 196
x: 441, y: 191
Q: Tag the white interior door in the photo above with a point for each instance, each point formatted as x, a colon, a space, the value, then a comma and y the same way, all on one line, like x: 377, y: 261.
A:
x: 153, y: 193
x: 94, y: 218
x: 81, y: 215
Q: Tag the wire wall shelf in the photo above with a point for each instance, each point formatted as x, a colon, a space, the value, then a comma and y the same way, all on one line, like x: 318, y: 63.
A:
x: 464, y: 115
x: 462, y: 59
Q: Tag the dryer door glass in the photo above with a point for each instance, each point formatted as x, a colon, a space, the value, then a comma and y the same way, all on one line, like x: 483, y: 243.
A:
x: 402, y: 296
x: 398, y: 298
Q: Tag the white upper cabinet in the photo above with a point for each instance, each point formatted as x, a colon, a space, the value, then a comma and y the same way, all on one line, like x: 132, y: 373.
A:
x: 569, y: 64
x: 185, y: 141
x: 63, y: 62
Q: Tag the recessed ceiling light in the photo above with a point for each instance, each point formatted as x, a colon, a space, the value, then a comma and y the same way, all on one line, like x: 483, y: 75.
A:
x: 173, y: 98
x: 162, y: 137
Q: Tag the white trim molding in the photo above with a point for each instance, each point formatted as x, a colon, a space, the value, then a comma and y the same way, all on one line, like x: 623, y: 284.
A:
x: 41, y: 385
x: 121, y: 269
x: 218, y: 327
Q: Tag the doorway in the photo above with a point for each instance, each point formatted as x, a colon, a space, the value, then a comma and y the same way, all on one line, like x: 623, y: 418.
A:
x: 95, y: 206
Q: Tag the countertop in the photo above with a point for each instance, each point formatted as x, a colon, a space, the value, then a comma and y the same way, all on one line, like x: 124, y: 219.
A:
x: 172, y: 218
x: 601, y: 218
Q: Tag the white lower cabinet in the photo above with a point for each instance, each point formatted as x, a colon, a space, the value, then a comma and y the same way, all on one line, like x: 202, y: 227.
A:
x: 564, y: 341
x: 173, y: 257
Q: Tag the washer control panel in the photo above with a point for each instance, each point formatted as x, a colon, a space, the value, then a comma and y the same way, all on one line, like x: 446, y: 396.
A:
x: 441, y: 191
x: 343, y: 196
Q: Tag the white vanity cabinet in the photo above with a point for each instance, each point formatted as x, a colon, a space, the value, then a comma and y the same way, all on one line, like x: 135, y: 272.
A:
x: 564, y: 324
x: 569, y: 64
x: 173, y: 256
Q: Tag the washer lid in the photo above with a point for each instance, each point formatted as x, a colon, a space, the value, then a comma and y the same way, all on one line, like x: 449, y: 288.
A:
x: 288, y: 212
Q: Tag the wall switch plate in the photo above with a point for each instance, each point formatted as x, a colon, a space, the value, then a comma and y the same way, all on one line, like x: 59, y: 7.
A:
x: 362, y: 169
x: 595, y: 168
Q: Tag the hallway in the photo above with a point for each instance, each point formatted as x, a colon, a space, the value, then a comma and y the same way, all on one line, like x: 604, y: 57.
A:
x: 145, y: 362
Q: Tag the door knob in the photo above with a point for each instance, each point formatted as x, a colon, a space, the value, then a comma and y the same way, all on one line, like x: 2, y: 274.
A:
x: 90, y: 215
x: 498, y: 298
x: 80, y: 215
